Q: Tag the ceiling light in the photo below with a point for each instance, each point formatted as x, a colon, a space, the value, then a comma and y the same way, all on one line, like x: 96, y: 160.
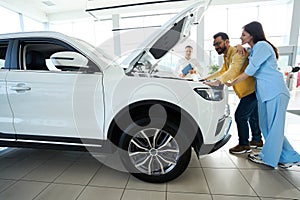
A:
x: 49, y: 3
x: 141, y: 3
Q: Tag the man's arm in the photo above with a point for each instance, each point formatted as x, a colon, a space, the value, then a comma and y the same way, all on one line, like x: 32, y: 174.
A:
x: 217, y: 73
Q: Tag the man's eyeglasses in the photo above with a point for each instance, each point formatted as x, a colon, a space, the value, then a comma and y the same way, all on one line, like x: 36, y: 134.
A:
x: 217, y: 43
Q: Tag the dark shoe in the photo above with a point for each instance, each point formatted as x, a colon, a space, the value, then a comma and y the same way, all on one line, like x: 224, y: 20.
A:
x: 255, y: 144
x: 255, y: 158
x: 288, y: 165
x: 238, y: 149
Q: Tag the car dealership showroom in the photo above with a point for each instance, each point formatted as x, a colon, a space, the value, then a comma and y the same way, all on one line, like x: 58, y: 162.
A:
x: 150, y: 99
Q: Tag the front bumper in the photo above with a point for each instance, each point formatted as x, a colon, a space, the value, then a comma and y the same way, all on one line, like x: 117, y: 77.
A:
x: 210, y: 148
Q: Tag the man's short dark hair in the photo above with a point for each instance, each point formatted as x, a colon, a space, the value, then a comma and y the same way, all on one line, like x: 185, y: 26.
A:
x: 223, y: 35
x: 188, y: 46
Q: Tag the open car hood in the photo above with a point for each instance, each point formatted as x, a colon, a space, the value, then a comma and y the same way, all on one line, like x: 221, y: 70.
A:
x: 163, y: 40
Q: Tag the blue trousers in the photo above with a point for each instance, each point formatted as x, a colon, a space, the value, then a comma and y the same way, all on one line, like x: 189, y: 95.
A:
x: 272, y: 115
x: 245, y: 113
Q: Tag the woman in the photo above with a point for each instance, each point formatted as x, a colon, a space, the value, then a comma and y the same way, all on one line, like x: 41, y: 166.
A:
x: 273, y: 97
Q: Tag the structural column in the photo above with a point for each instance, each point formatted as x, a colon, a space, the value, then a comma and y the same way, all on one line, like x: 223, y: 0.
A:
x: 116, y: 34
x: 294, y: 34
x: 21, y: 22
x: 46, y: 26
x: 200, y: 37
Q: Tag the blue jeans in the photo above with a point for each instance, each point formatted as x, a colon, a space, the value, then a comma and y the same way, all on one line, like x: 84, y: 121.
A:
x: 247, y: 112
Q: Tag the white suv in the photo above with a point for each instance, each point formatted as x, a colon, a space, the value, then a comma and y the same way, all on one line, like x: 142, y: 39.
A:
x: 60, y: 92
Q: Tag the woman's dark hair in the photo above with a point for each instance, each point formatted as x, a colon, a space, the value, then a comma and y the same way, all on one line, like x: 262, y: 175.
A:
x: 255, y: 29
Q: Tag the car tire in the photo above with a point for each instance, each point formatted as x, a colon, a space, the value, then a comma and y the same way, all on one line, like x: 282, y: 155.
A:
x: 154, y: 153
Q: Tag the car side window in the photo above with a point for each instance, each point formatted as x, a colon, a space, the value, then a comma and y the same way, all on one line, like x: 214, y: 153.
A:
x: 3, y: 50
x: 51, y: 56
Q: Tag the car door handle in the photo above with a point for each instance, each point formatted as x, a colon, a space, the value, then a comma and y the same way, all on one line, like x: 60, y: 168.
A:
x: 20, y: 87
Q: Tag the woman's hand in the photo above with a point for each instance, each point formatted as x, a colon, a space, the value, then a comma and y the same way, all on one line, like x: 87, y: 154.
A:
x: 240, y: 50
x: 240, y: 78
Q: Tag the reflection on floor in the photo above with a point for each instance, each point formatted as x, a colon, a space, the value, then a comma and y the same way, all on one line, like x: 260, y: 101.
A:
x: 27, y: 174
x: 296, y: 112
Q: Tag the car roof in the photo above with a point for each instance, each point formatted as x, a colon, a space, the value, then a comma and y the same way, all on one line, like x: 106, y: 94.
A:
x: 75, y: 42
x: 41, y: 34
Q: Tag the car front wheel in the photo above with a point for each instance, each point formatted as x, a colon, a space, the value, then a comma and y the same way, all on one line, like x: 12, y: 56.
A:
x: 154, y: 153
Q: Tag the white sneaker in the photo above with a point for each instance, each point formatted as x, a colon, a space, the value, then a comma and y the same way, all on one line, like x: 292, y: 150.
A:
x: 288, y: 165
x: 255, y: 158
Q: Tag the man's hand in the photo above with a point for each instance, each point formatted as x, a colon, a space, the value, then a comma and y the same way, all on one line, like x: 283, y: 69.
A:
x: 228, y: 84
x: 214, y: 83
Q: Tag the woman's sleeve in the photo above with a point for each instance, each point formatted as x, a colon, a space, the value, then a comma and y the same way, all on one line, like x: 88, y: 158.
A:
x: 261, y: 52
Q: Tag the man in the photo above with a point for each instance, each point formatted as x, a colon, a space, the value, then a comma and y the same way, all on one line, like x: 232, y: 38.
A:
x: 246, y: 112
x: 188, y: 65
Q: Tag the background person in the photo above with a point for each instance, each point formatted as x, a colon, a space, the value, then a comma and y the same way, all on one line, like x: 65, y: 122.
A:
x: 188, y: 65
x: 273, y: 97
x: 246, y: 112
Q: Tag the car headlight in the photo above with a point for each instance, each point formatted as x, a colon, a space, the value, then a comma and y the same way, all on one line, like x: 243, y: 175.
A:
x: 211, y: 94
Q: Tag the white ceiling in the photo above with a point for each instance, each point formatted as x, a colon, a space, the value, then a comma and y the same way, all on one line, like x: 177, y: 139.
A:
x: 38, y: 10
x: 58, y: 10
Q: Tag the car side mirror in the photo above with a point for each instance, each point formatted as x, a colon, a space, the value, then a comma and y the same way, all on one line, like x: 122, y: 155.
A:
x: 69, y: 59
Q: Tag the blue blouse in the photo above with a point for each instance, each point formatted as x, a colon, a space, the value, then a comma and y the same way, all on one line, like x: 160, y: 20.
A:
x: 263, y: 67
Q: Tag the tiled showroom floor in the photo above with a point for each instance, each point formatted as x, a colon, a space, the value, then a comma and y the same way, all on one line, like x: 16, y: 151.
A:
x: 27, y: 174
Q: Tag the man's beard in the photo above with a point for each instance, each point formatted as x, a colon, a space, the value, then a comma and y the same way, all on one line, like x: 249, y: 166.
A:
x: 221, y: 50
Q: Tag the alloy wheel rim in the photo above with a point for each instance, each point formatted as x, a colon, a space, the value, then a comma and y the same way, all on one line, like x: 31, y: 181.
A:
x: 153, y: 151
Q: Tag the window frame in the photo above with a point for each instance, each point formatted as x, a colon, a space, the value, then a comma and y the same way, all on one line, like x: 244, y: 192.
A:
x: 7, y: 53
x: 20, y: 45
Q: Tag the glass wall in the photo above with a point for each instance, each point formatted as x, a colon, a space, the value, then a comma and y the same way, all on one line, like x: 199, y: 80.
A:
x: 133, y: 30
x: 11, y: 25
x: 83, y: 29
x: 231, y: 18
x: 136, y: 27
x: 32, y: 25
